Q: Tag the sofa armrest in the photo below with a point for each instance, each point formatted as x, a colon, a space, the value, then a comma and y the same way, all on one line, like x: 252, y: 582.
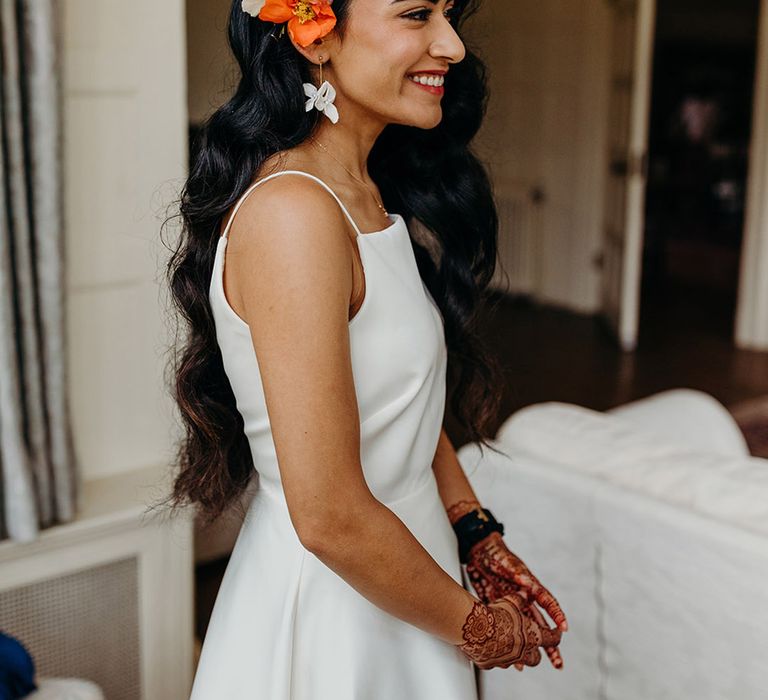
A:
x: 733, y: 489
x: 689, y: 418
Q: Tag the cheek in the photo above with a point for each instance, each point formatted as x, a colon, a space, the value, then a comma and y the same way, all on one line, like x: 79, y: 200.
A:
x: 373, y: 82
x: 381, y: 58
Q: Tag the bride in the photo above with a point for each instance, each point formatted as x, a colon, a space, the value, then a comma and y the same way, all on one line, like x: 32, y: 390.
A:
x: 321, y: 333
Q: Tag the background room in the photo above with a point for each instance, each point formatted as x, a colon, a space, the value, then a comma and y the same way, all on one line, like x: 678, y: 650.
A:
x: 627, y: 142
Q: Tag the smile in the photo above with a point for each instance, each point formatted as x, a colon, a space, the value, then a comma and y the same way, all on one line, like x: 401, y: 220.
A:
x: 432, y: 80
x: 431, y: 83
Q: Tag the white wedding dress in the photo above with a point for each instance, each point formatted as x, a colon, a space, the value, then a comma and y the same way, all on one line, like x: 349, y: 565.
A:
x: 285, y: 626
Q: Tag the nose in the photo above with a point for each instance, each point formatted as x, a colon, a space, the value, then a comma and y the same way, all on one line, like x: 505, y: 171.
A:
x: 447, y: 44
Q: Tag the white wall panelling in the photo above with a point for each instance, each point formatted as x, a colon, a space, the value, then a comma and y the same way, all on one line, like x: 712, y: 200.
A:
x: 546, y: 129
x: 125, y: 151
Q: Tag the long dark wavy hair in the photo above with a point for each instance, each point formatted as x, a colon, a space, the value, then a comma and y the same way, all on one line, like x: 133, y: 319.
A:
x: 428, y: 176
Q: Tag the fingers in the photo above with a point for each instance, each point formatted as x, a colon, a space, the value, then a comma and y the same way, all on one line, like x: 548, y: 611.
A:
x: 555, y: 658
x: 538, y: 631
x: 545, y: 599
x: 533, y: 657
x: 553, y: 653
x: 514, y: 569
x: 507, y: 565
x: 549, y: 636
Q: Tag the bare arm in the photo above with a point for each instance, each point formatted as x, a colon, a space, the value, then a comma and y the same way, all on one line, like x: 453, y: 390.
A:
x: 454, y: 487
x: 293, y: 281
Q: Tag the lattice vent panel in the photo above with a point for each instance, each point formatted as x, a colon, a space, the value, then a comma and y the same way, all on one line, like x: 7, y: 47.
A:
x: 83, y: 625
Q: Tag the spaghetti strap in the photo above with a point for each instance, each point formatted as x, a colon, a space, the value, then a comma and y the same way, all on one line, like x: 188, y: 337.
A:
x: 285, y: 172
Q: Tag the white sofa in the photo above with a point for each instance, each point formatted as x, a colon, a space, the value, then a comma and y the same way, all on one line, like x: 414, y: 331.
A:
x: 649, y: 524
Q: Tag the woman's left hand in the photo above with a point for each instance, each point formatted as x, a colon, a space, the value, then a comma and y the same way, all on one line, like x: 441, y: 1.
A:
x: 495, y: 571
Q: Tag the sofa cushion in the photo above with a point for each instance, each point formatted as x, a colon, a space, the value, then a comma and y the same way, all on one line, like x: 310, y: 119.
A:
x: 689, y: 417
x: 730, y: 488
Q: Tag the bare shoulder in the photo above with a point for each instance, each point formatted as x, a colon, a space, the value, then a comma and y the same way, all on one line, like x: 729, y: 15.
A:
x: 288, y: 206
x: 290, y: 234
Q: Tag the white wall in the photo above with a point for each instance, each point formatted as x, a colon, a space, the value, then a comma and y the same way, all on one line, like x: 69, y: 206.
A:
x: 547, y: 126
x: 125, y: 157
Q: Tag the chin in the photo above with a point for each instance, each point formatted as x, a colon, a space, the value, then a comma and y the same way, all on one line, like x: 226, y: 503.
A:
x: 431, y: 123
x: 423, y: 120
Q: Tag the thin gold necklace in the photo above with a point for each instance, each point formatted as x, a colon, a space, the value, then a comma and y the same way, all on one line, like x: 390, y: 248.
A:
x: 375, y: 198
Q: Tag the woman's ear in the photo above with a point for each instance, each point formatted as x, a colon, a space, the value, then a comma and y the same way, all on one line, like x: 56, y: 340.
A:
x: 317, y: 50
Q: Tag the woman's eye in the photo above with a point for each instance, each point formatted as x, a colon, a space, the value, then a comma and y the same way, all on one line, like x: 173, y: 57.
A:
x: 423, y: 15
x: 419, y: 15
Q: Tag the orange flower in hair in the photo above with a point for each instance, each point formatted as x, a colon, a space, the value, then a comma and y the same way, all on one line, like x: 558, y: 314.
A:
x: 307, y: 19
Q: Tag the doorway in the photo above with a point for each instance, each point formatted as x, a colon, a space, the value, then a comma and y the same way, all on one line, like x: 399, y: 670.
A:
x: 705, y: 54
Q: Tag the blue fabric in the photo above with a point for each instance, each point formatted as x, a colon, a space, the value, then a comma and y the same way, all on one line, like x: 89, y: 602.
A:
x: 17, y: 669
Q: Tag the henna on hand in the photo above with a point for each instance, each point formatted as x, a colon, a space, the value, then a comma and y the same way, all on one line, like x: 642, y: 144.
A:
x: 494, y: 566
x: 498, y: 635
x: 495, y: 571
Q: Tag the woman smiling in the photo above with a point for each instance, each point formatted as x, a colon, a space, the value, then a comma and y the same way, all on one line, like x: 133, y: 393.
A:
x: 320, y: 337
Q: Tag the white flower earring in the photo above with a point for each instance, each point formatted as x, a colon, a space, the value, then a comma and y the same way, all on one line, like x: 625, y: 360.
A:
x: 321, y: 98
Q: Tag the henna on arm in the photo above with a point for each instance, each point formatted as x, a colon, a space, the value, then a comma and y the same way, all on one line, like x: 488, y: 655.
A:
x: 459, y: 509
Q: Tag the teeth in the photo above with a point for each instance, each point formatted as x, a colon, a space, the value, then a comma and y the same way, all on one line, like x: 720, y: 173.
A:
x: 433, y: 80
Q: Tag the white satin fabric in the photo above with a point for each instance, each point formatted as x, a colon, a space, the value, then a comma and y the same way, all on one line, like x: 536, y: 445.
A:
x: 285, y: 626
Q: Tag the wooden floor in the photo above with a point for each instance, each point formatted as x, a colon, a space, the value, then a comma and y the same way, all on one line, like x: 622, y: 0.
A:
x: 553, y: 355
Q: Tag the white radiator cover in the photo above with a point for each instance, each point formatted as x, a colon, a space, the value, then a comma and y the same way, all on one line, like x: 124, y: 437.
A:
x: 518, y: 270
x: 108, y: 597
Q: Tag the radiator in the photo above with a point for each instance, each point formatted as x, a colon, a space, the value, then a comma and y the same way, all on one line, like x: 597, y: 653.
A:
x: 520, y: 255
x: 82, y: 625
x: 108, y: 597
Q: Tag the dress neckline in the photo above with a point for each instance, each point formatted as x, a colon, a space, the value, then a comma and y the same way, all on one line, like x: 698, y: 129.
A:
x: 396, y: 219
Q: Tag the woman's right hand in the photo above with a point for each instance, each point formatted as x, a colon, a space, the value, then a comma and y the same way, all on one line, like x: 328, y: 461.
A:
x: 500, y: 634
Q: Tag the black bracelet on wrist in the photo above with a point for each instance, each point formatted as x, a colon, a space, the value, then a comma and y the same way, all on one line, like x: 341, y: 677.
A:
x: 473, y: 527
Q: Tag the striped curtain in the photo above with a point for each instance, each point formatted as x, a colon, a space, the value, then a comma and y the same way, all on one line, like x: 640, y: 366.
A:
x: 39, y: 483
